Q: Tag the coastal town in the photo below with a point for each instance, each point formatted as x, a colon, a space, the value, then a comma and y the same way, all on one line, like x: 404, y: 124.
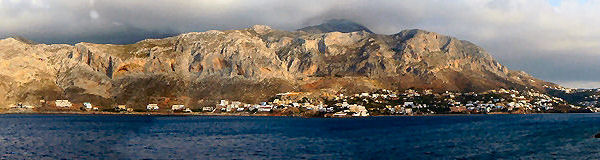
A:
x: 377, y: 103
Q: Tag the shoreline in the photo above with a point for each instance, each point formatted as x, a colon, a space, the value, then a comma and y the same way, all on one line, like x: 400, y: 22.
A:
x: 251, y: 115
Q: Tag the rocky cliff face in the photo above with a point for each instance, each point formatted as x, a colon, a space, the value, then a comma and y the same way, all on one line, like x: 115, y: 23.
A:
x: 248, y: 64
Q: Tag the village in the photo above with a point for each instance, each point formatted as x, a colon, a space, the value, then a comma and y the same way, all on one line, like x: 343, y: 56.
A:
x: 409, y: 102
x: 378, y: 103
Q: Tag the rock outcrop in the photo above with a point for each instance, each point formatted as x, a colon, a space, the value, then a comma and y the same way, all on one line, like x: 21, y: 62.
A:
x: 249, y: 64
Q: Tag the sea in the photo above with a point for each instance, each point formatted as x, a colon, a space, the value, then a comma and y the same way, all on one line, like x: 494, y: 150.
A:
x: 531, y: 136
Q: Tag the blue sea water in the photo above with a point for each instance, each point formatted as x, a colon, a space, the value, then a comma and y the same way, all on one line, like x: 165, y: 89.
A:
x: 539, y: 136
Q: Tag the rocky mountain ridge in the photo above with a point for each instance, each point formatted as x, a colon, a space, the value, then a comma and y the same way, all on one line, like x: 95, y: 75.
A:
x: 249, y: 64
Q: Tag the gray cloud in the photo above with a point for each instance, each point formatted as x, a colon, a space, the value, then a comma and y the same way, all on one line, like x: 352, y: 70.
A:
x: 555, y: 42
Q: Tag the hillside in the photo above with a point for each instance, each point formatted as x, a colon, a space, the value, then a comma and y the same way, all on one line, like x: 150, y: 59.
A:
x: 249, y: 64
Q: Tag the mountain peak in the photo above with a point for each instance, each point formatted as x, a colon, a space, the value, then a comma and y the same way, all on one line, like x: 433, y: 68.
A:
x: 17, y: 41
x: 24, y: 40
x: 336, y: 25
x: 261, y: 29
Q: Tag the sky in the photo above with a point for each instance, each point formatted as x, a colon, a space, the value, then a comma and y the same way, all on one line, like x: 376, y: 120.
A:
x: 554, y: 40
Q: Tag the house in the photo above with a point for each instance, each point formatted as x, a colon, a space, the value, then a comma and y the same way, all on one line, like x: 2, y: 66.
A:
x: 177, y: 107
x: 19, y: 105
x: 208, y: 109
x: 312, y: 107
x: 458, y: 109
x: 88, y: 105
x: 398, y: 109
x: 408, y: 111
x: 391, y: 110
x: 358, y: 110
x: 152, y: 107
x: 340, y: 114
x: 63, y: 103
x: 188, y: 110
x: 121, y: 108
x: 329, y: 109
x: 240, y: 109
x: 361, y: 114
x: 266, y: 108
x: 224, y: 102
x: 345, y: 104
x: 233, y: 106
x: 236, y: 104
x: 409, y: 104
x: 323, y: 109
x: 230, y: 108
x: 375, y: 95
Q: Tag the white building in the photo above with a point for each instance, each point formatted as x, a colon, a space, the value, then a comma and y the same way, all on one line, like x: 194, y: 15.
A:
x: 177, y: 107
x: 265, y: 108
x: 88, y: 105
x: 152, y: 107
x: 339, y: 114
x: 240, y: 109
x: 224, y: 102
x: 208, y: 109
x: 19, y: 105
x: 358, y: 110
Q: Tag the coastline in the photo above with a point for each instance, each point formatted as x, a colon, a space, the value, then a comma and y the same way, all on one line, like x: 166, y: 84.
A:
x: 251, y: 115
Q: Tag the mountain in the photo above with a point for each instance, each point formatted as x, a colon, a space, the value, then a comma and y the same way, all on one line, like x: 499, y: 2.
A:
x: 24, y: 40
x: 250, y: 65
x: 336, y: 25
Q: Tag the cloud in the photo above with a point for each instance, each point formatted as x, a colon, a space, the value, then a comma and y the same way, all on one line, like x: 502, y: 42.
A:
x: 94, y: 14
x: 581, y: 84
x: 553, y: 40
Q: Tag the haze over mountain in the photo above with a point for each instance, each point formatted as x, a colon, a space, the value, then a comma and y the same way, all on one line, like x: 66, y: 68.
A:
x: 250, y: 65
